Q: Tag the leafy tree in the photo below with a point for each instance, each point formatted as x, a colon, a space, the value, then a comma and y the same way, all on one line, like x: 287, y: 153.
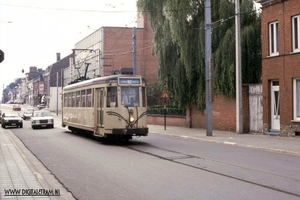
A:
x: 9, y: 87
x: 179, y: 39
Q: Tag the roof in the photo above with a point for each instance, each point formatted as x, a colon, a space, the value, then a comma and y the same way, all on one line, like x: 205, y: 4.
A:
x: 57, y: 67
x: 104, y: 79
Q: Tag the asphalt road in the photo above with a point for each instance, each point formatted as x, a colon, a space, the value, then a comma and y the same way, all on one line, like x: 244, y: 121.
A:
x: 161, y: 167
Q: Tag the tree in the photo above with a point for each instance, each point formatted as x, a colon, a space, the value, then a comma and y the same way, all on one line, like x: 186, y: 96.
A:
x: 179, y: 39
x: 10, y: 87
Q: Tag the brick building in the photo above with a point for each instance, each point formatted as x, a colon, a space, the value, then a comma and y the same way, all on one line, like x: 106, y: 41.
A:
x: 280, y: 28
x: 111, y: 48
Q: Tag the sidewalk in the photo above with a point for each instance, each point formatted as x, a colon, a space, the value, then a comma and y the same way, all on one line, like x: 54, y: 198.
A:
x: 22, y: 171
x: 290, y: 145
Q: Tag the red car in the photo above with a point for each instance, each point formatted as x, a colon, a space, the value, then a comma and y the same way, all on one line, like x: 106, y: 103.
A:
x: 17, y: 107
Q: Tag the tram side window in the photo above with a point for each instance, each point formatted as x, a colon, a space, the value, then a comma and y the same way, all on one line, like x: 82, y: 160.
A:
x: 89, y: 99
x: 83, y: 98
x: 112, y: 97
x: 69, y: 100
x: 73, y: 99
x: 144, y: 99
x: 130, y: 96
x: 66, y: 100
x: 78, y: 99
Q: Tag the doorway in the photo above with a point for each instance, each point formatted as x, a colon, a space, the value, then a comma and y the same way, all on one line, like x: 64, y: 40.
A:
x: 275, y: 106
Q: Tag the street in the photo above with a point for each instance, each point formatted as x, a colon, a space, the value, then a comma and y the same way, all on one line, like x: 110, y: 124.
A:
x: 161, y: 167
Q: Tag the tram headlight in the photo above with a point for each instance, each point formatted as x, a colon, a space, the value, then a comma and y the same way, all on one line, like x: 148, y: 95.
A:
x: 131, y: 119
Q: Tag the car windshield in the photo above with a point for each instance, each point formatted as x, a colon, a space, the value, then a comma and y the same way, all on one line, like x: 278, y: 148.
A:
x: 42, y: 114
x: 11, y: 115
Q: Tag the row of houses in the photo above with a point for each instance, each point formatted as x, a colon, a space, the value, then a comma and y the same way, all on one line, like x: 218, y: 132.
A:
x: 272, y: 107
x: 99, y: 54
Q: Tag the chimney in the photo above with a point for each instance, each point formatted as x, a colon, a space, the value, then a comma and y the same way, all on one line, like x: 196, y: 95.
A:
x: 57, y: 56
x: 32, y: 69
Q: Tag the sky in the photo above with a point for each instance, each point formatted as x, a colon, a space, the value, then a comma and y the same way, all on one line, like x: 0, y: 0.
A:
x: 33, y: 31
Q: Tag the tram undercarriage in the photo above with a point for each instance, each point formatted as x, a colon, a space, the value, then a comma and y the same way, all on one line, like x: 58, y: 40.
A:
x: 116, y: 134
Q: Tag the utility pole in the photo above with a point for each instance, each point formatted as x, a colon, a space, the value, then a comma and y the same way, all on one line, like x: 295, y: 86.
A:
x: 239, y: 102
x: 3, y: 94
x: 134, y: 50
x: 207, y: 67
x: 56, y: 93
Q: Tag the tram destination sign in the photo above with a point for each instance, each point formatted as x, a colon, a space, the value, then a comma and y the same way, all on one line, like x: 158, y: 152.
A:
x: 129, y: 81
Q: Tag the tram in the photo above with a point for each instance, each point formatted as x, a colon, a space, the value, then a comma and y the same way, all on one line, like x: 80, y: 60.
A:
x: 110, y: 107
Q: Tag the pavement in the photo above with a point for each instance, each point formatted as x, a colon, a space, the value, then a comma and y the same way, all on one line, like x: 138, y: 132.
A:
x: 21, y: 171
x: 289, y: 145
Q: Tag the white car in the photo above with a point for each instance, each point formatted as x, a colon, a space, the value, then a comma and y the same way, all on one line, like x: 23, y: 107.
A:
x: 41, y: 119
x: 27, y: 114
x: 11, y: 119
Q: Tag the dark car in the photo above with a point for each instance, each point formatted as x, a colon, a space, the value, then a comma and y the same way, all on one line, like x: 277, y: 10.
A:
x: 16, y: 107
x: 11, y: 119
x: 1, y: 116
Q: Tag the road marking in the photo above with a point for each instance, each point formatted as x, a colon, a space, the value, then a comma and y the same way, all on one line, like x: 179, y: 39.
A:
x: 231, y: 143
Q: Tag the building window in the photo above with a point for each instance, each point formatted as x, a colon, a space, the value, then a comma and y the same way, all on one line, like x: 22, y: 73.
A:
x: 296, y: 33
x: 297, y: 99
x: 273, y: 38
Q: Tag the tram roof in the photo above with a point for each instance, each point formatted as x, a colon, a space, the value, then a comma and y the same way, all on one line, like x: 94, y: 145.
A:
x: 98, y: 80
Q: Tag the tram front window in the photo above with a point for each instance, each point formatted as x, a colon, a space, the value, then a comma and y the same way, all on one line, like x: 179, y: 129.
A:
x: 130, y: 96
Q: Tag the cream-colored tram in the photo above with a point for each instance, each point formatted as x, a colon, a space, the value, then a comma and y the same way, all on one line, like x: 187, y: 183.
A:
x: 112, y: 106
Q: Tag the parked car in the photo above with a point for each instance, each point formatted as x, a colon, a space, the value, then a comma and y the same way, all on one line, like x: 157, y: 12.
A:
x: 30, y: 108
x: 18, y: 101
x: 42, y: 118
x: 11, y: 119
x: 1, y: 117
x: 27, y: 114
x: 41, y: 106
x: 17, y: 107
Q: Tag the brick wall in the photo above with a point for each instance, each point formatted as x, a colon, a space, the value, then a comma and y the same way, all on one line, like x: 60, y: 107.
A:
x: 179, y: 121
x: 223, y: 115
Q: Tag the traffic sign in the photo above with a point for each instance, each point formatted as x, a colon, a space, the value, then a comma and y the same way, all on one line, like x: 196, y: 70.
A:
x: 1, y: 56
x: 165, y: 94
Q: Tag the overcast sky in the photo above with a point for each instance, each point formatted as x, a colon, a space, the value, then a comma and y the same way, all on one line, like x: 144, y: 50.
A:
x: 33, y: 31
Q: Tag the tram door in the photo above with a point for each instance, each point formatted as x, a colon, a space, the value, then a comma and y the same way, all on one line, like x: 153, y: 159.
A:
x: 99, y: 102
